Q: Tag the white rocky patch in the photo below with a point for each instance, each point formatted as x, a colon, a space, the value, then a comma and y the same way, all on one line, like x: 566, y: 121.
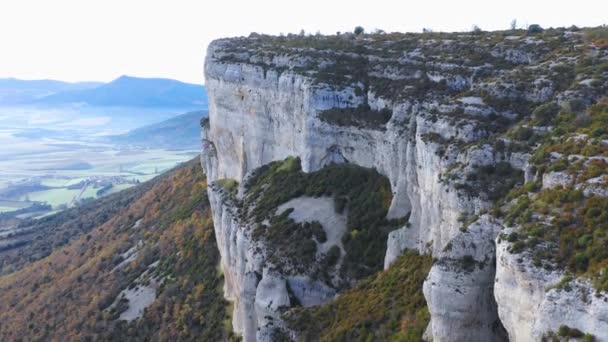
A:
x: 323, y: 210
x: 137, y: 224
x: 129, y: 255
x: 472, y: 100
x: 595, y: 186
x: 586, y: 82
x: 556, y: 178
x: 140, y: 296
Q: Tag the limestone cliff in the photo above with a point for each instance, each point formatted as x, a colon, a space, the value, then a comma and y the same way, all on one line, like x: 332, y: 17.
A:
x: 533, y: 301
x: 432, y: 113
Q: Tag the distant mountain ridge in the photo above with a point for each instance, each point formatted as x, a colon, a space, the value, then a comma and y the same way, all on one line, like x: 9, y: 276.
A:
x: 17, y: 91
x: 179, y: 132
x: 134, y: 91
x: 123, y: 91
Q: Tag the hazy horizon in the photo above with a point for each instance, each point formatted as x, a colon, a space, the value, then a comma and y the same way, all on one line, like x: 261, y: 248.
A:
x: 96, y: 81
x: 98, y: 41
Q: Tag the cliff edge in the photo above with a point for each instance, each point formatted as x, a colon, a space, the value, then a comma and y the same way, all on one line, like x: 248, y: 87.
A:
x: 437, y: 129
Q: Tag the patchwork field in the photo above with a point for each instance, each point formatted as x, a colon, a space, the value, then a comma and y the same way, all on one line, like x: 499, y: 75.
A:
x: 65, y: 186
x: 62, y: 173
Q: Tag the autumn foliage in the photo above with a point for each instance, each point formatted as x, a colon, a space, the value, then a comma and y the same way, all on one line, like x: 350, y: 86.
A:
x: 66, y: 296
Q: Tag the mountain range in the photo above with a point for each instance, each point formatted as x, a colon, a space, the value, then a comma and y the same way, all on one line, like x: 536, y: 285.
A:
x: 16, y: 91
x: 179, y: 132
x: 125, y: 91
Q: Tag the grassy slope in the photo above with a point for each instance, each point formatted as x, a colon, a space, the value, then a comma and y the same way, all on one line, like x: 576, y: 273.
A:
x: 63, y: 296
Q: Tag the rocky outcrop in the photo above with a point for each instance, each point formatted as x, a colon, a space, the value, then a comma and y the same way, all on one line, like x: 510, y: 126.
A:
x: 460, y: 287
x: 260, y: 292
x: 238, y: 261
x: 533, y: 301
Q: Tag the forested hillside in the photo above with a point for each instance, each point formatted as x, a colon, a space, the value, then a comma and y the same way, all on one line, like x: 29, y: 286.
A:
x: 148, y: 273
x: 32, y: 240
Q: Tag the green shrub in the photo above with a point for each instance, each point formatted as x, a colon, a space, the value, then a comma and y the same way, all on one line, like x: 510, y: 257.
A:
x: 535, y: 28
x: 362, y: 116
x: 524, y: 133
x: 559, y: 165
x: 468, y: 263
x: 495, y: 181
x: 575, y: 106
x: 574, y: 238
x: 229, y: 185
x: 333, y: 255
x: 565, y: 331
x: 597, y: 36
x: 588, y: 338
x: 545, y: 113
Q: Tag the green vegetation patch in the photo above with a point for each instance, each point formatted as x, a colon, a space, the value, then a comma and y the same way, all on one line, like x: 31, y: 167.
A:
x: 567, y: 229
x: 598, y: 36
x: 229, y: 185
x: 562, y: 227
x: 494, y: 181
x: 388, y: 306
x: 54, y: 197
x: 362, y: 193
x: 579, y: 133
x: 566, y: 333
x: 362, y: 117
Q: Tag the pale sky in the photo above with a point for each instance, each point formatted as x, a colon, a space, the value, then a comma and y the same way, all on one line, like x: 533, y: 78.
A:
x: 99, y: 40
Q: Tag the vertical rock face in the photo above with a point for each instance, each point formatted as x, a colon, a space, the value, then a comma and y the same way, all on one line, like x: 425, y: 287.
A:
x: 257, y: 116
x: 238, y: 263
x: 252, y: 282
x: 533, y: 301
x: 460, y: 287
x: 430, y: 114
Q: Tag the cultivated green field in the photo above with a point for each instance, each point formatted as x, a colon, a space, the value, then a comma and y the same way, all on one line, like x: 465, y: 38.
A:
x: 6, y: 206
x: 54, y: 197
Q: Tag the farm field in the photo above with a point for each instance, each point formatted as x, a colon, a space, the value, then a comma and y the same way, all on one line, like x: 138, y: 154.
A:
x: 61, y: 156
x: 59, y: 179
x: 61, y: 173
